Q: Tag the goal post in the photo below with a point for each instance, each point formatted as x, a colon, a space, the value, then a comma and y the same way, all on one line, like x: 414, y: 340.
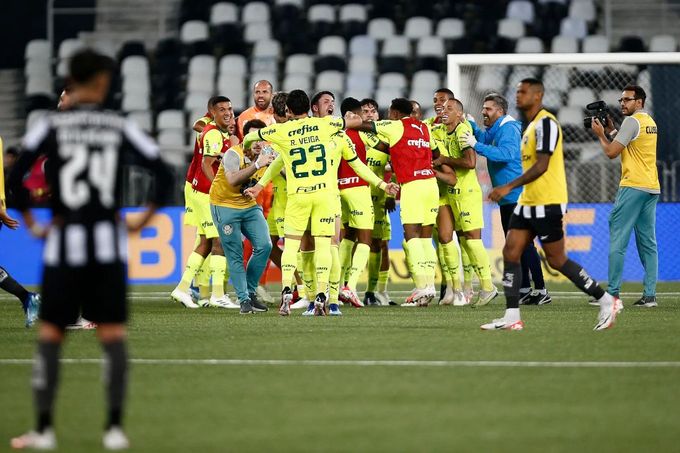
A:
x: 572, y: 81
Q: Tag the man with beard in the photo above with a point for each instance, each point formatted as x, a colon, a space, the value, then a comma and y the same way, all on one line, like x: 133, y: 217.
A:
x: 262, y: 110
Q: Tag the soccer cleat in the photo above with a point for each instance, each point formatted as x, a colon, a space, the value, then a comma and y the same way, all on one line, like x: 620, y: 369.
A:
x: 246, y: 308
x: 469, y: 293
x: 502, y: 324
x: 410, y: 300
x: 419, y: 298
x: 525, y: 298
x: 301, y: 303
x: 256, y: 304
x: 443, y: 290
x: 540, y: 299
x: 384, y: 299
x: 608, y: 312
x: 35, y: 441
x: 369, y: 298
x: 203, y: 303
x: 183, y: 298
x: 32, y: 309
x: 459, y: 299
x: 646, y: 301
x: 115, y: 439
x: 194, y: 293
x: 310, y: 310
x: 264, y: 295
x: 446, y: 297
x: 82, y: 324
x: 320, y: 305
x: 351, y: 297
x: 342, y: 296
x: 334, y: 310
x: 286, y: 298
x: 221, y: 302
x: 485, y: 297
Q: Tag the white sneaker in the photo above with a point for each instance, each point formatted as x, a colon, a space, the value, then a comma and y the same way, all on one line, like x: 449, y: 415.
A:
x: 502, y: 324
x: 83, y: 324
x: 447, y: 298
x: 351, y: 296
x: 36, y: 441
x: 301, y: 303
x: 383, y: 298
x: 469, y: 293
x: 115, y: 439
x: 608, y: 312
x: 222, y: 302
x: 419, y: 297
x: 485, y: 297
x: 459, y: 299
x: 183, y: 298
x: 264, y: 295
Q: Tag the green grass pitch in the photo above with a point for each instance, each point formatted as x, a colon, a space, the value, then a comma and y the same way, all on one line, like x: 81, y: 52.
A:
x: 385, y: 379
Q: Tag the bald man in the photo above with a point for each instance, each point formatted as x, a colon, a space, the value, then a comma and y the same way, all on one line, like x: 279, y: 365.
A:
x: 262, y: 110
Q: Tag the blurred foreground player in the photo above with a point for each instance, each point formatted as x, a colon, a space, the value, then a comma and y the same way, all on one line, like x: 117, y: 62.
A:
x: 85, y: 247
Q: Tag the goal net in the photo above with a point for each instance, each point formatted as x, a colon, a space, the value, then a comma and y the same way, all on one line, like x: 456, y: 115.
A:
x: 572, y: 81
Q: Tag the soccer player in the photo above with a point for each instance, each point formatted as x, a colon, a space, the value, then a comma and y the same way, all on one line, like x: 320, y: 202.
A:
x: 237, y: 215
x: 638, y: 194
x: 500, y: 145
x: 379, y: 258
x: 310, y: 157
x: 539, y: 211
x: 85, y: 247
x: 417, y: 112
x: 30, y: 302
x: 357, y: 208
x: 262, y: 110
x: 466, y: 199
x: 213, y: 142
x: 411, y: 154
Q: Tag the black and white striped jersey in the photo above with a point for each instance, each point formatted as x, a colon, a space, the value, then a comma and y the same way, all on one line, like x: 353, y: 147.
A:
x: 86, y: 148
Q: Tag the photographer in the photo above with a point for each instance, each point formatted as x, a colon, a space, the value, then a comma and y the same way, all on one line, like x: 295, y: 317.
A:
x: 236, y: 215
x: 638, y: 194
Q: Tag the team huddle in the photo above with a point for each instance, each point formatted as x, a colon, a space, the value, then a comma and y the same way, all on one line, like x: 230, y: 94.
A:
x: 332, y: 180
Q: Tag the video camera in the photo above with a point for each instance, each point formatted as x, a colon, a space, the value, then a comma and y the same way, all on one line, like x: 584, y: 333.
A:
x: 600, y: 111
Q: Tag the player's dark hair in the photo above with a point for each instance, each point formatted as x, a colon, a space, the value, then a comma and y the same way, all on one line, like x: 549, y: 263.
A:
x: 259, y: 124
x: 446, y: 91
x: 499, y: 100
x: 317, y: 96
x: 298, y: 102
x: 534, y: 82
x: 458, y: 103
x: 413, y: 101
x: 639, y: 92
x: 13, y: 150
x: 86, y: 64
x: 402, y: 105
x: 279, y: 103
x: 217, y: 100
x: 350, y: 105
x: 371, y: 102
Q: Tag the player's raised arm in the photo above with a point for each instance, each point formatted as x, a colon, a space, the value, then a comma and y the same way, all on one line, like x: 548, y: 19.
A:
x: 274, y: 168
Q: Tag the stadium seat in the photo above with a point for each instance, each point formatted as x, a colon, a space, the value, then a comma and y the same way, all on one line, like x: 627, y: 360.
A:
x: 204, y: 64
x: 299, y: 64
x: 170, y: 119
x: 272, y: 77
x: 172, y: 138
x: 363, y: 46
x: 133, y: 102
x: 384, y: 96
x: 392, y: 80
x: 631, y: 44
x: 358, y: 94
x: 365, y: 65
x: 266, y: 49
x: 256, y: 31
x: 663, y: 43
x: 353, y: 12
x: 201, y: 81
x: 529, y: 44
x: 418, y: 27
x: 135, y: 66
x: 611, y: 97
x: 137, y: 85
x: 37, y: 66
x: 231, y: 83
x: 359, y: 82
x: 39, y: 84
x: 491, y: 78
x: 223, y: 13
x: 381, y: 28
x: 572, y: 115
x: 395, y: 54
x: 255, y: 12
x: 143, y: 119
x: 38, y: 49
x: 196, y: 100
x: 132, y: 48
x: 450, y: 28
x: 297, y: 81
x: 228, y: 39
x: 332, y: 45
x: 521, y: 10
x: 430, y: 53
x: 333, y: 81
x: 510, y: 28
x: 321, y: 19
x: 427, y: 81
x: 574, y: 27
x: 68, y: 47
x: 564, y: 44
x: 556, y: 78
x: 595, y: 44
x: 582, y: 9
x: 423, y: 96
x: 579, y: 97
x: 193, y: 30
x: 519, y: 73
x: 552, y: 100
x: 233, y: 64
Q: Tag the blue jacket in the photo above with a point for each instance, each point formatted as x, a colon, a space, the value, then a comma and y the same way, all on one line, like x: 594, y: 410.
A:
x: 500, y: 144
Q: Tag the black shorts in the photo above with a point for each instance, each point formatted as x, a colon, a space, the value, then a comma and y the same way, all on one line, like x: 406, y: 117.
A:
x: 97, y: 291
x: 547, y: 229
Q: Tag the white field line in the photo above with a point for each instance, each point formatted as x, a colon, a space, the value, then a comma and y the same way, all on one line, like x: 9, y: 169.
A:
x: 371, y: 363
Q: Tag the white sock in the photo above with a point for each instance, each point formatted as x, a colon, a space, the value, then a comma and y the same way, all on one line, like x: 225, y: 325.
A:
x: 542, y: 292
x: 607, y: 299
x: 525, y: 290
x: 511, y: 314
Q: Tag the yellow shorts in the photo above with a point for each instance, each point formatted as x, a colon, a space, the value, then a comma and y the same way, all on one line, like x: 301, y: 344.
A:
x: 443, y: 194
x: 420, y: 202
x: 357, y: 207
x: 275, y: 221
x: 315, y: 211
x: 468, y: 210
x: 199, y: 215
x: 382, y: 227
